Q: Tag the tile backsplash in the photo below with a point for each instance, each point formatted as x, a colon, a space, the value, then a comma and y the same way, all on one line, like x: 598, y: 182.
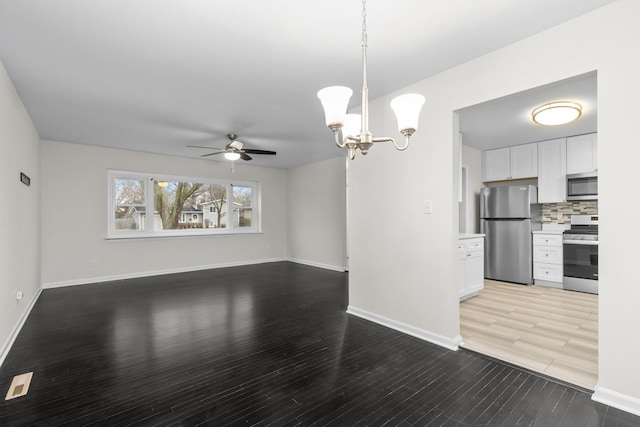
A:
x: 560, y: 213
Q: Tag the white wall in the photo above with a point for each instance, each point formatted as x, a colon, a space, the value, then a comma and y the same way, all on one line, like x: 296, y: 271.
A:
x: 472, y: 159
x: 317, y: 220
x: 74, y: 217
x: 401, y: 269
x: 20, y: 214
x: 403, y: 261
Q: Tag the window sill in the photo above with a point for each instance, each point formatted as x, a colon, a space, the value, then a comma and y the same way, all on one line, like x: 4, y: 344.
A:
x: 170, y: 235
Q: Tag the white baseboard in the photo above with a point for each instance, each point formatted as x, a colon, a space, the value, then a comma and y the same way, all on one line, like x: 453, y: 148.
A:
x: 446, y: 342
x: 617, y: 400
x: 318, y: 264
x: 103, y: 279
x: 4, y: 351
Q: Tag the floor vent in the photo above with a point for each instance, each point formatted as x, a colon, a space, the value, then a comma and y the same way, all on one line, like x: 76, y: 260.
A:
x: 19, y: 386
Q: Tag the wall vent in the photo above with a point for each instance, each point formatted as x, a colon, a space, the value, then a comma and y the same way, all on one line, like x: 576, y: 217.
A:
x: 19, y: 386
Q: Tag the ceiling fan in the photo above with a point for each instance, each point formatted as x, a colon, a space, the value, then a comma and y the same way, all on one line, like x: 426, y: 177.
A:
x: 234, y: 150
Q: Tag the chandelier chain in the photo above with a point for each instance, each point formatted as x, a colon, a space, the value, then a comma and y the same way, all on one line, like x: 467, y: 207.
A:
x: 364, y: 23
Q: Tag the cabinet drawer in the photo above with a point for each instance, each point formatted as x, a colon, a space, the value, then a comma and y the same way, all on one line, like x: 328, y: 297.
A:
x: 461, y: 246
x: 547, y: 254
x: 547, y: 240
x: 474, y: 245
x: 548, y: 272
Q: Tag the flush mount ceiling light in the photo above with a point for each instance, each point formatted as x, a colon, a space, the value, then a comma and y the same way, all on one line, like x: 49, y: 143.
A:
x: 557, y: 113
x: 335, y: 100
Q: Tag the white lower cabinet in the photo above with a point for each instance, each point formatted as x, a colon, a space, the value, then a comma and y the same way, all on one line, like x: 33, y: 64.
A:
x: 470, y: 266
x: 547, y: 259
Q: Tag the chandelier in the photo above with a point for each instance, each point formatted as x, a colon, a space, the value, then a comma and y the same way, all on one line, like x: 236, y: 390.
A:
x: 335, y: 100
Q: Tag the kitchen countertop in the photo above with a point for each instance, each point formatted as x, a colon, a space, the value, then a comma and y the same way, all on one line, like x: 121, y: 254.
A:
x: 463, y: 236
x: 547, y: 231
x: 552, y: 229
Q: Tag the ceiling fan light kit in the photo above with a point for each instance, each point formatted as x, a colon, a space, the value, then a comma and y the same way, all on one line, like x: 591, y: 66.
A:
x: 335, y: 100
x: 557, y: 113
x: 232, y: 155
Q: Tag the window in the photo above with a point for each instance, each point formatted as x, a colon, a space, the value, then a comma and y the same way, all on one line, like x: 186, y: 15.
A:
x: 242, y: 210
x: 145, y: 205
x: 129, y: 204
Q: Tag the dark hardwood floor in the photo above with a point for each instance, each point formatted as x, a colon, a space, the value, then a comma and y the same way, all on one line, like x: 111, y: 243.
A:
x: 266, y: 345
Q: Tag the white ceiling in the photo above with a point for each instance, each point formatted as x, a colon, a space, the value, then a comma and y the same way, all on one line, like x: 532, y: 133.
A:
x: 507, y: 121
x: 157, y: 75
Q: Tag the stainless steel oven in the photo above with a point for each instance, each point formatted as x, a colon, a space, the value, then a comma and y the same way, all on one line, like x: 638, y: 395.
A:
x: 580, y: 254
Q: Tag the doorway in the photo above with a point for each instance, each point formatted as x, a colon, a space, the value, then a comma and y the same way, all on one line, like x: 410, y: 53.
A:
x: 547, y: 330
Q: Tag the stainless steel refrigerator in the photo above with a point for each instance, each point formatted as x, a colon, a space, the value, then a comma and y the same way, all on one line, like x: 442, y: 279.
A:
x: 508, y: 215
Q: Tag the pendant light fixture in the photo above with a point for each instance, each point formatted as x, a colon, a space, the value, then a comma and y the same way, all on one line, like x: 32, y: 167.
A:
x: 557, y: 113
x: 335, y: 100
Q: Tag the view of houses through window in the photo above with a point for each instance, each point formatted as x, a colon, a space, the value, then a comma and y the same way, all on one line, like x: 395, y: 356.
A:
x: 147, y: 204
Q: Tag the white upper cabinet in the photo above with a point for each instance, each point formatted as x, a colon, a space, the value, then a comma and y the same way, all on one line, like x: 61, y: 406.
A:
x: 517, y: 162
x: 496, y: 164
x: 552, y: 171
x: 524, y: 161
x: 582, y: 153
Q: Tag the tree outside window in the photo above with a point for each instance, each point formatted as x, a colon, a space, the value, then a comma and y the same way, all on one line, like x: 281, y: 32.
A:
x: 242, y: 206
x: 130, y: 206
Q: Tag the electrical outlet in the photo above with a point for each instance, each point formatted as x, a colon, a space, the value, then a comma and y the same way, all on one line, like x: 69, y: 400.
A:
x: 19, y: 295
x: 94, y: 263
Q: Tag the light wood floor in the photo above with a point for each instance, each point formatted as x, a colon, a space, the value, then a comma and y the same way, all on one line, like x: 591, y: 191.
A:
x: 546, y: 330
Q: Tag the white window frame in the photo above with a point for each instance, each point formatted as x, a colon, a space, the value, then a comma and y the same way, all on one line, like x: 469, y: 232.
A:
x: 148, y: 231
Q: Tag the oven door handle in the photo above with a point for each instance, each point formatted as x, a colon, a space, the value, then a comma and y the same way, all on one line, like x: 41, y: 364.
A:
x: 580, y: 242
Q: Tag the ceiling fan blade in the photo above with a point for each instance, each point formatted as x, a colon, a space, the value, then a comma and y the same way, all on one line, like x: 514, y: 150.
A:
x: 200, y: 146
x: 252, y: 151
x: 235, y: 146
x: 211, y: 154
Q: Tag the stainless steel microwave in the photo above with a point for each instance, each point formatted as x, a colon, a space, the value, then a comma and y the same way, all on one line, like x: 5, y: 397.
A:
x: 582, y: 186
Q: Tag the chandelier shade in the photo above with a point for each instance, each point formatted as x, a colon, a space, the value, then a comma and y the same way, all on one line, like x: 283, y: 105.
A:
x: 407, y: 108
x: 335, y: 100
x: 351, y: 125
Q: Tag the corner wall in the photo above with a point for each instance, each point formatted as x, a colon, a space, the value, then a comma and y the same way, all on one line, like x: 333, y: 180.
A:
x: 20, y: 214
x: 317, y: 219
